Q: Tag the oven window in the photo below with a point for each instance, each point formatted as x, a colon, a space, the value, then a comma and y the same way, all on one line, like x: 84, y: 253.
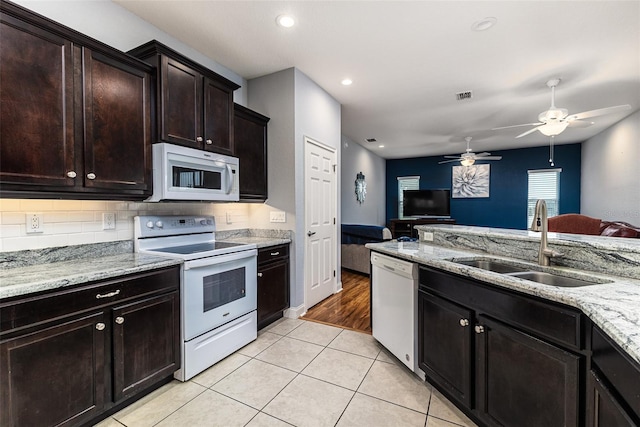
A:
x: 223, y: 288
x: 194, y: 178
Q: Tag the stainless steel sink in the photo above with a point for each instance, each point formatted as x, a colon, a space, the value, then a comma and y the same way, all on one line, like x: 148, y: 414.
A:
x: 553, y: 279
x: 495, y: 266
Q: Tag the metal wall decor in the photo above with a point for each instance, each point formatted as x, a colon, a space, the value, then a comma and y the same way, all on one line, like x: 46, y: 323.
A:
x: 361, y: 187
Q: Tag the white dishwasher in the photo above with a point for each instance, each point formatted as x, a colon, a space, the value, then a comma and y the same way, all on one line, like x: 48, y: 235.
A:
x: 394, y: 307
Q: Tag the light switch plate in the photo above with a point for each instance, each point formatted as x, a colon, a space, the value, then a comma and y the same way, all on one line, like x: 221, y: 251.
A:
x: 278, y: 216
x: 427, y: 236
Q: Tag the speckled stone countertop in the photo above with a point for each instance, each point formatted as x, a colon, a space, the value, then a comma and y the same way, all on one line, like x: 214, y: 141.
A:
x: 21, y: 281
x: 614, y: 307
x: 31, y: 271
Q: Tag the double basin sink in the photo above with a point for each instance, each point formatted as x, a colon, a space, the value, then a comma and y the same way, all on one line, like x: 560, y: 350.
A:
x: 527, y: 274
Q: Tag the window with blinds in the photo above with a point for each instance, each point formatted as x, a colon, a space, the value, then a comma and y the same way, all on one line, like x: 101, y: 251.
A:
x: 406, y: 183
x: 543, y: 184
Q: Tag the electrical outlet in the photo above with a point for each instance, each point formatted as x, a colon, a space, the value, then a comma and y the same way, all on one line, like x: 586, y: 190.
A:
x: 427, y: 236
x: 35, y: 224
x: 228, y: 214
x: 278, y: 216
x: 108, y: 221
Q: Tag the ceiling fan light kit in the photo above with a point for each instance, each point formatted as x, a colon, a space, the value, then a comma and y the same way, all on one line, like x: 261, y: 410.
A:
x: 468, y: 158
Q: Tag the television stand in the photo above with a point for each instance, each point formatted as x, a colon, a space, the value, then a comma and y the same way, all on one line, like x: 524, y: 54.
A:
x: 404, y: 227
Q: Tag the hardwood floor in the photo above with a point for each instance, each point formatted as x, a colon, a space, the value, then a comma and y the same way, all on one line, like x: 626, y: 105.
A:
x: 347, y: 309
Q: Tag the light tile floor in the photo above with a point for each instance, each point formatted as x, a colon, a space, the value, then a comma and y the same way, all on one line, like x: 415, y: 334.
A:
x: 298, y: 373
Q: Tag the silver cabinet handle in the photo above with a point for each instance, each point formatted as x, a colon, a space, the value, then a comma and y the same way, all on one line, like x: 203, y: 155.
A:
x: 479, y: 329
x: 100, y: 326
x: 91, y: 175
x: 464, y: 322
x: 109, y: 295
x: 199, y: 139
x: 209, y: 142
x: 119, y: 320
x: 72, y: 174
x: 275, y: 253
x: 310, y: 233
x: 259, y: 274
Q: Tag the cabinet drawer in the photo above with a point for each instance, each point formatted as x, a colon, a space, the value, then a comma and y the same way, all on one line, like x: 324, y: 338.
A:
x: 555, y: 322
x: 30, y: 311
x: 620, y: 371
x: 273, y: 253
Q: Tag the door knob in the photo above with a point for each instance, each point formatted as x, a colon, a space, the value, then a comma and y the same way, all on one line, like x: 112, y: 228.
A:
x: 310, y: 233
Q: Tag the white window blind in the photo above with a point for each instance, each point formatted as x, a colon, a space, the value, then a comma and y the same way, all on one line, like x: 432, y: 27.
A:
x: 406, y: 183
x: 543, y: 184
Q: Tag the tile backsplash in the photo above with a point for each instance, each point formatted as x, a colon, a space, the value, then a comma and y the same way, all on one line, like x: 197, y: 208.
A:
x: 76, y: 222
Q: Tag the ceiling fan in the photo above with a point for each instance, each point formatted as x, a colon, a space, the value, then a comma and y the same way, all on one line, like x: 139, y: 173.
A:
x: 555, y: 120
x: 468, y: 157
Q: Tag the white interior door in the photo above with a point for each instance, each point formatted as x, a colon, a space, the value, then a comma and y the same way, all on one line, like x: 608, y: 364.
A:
x: 320, y: 221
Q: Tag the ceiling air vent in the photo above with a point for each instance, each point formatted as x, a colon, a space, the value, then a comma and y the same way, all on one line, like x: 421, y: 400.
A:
x: 370, y: 140
x: 461, y: 96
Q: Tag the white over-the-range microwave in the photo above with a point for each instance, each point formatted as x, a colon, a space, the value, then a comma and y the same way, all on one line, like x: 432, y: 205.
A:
x: 181, y: 174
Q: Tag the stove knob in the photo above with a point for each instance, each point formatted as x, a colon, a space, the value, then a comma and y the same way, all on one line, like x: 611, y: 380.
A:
x: 149, y: 224
x: 159, y: 224
x: 203, y: 221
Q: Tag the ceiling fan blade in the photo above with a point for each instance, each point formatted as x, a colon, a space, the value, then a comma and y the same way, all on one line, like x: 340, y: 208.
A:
x: 453, y: 157
x: 491, y: 158
x: 449, y: 161
x: 529, y: 131
x: 517, y: 126
x: 579, y: 124
x: 483, y: 154
x: 598, y: 112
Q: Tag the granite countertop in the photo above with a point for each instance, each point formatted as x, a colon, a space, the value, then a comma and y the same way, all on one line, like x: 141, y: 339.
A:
x: 611, y: 306
x: 25, y: 280
x: 260, y: 242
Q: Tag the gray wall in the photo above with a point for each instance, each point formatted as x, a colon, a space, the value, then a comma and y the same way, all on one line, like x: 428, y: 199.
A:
x: 117, y: 27
x: 610, y: 182
x: 298, y: 107
x: 355, y: 159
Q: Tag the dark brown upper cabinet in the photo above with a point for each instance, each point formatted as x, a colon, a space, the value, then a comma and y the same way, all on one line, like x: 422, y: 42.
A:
x: 75, y: 113
x: 251, y: 148
x: 194, y: 104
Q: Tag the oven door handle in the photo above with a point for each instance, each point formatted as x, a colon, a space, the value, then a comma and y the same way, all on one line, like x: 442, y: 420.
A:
x: 219, y: 259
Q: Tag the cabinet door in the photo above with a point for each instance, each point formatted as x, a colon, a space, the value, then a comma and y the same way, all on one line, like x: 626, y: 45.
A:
x: 445, y: 344
x: 218, y: 117
x: 146, y: 336
x: 55, y: 376
x: 181, y: 104
x: 36, y: 104
x: 273, y: 291
x: 603, y: 408
x: 117, y: 124
x: 250, y: 136
x: 523, y: 381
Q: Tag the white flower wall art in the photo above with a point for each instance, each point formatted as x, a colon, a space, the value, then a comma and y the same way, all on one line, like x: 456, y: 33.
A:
x: 470, y: 181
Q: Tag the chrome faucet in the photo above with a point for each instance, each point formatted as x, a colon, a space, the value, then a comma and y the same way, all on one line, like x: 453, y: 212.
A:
x: 541, y: 223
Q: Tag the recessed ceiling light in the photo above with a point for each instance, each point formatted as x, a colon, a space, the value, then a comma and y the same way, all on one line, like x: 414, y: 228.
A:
x: 380, y: 146
x: 346, y: 82
x: 484, y: 24
x: 285, y: 21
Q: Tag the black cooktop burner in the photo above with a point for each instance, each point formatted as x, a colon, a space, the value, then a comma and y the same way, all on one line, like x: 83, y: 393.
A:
x: 200, y: 247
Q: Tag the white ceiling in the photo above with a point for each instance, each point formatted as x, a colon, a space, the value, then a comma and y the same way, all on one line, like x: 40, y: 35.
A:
x: 407, y: 59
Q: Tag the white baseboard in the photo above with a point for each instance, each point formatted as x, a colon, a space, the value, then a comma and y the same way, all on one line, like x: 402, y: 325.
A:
x: 295, y: 312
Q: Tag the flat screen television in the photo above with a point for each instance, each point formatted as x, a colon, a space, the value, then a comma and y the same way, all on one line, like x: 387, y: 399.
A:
x: 426, y: 203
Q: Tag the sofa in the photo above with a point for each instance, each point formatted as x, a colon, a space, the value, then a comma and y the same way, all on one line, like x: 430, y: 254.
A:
x: 355, y: 256
x: 583, y: 224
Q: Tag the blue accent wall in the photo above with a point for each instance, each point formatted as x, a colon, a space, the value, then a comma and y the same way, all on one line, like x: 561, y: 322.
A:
x: 506, y: 206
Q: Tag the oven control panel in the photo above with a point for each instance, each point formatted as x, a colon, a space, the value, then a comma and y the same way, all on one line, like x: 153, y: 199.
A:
x: 170, y: 225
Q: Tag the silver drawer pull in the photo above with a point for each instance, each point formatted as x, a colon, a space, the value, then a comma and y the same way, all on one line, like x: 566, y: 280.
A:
x: 109, y: 295
x: 100, y: 326
x: 479, y: 329
x: 119, y: 320
x: 91, y: 175
x: 225, y: 315
x: 259, y: 274
x: 464, y: 322
x: 275, y: 253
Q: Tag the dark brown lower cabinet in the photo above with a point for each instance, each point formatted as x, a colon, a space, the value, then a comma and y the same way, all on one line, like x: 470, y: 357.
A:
x: 68, y: 356
x: 273, y: 284
x: 500, y: 355
x: 604, y: 408
x: 523, y: 381
x: 55, y: 376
